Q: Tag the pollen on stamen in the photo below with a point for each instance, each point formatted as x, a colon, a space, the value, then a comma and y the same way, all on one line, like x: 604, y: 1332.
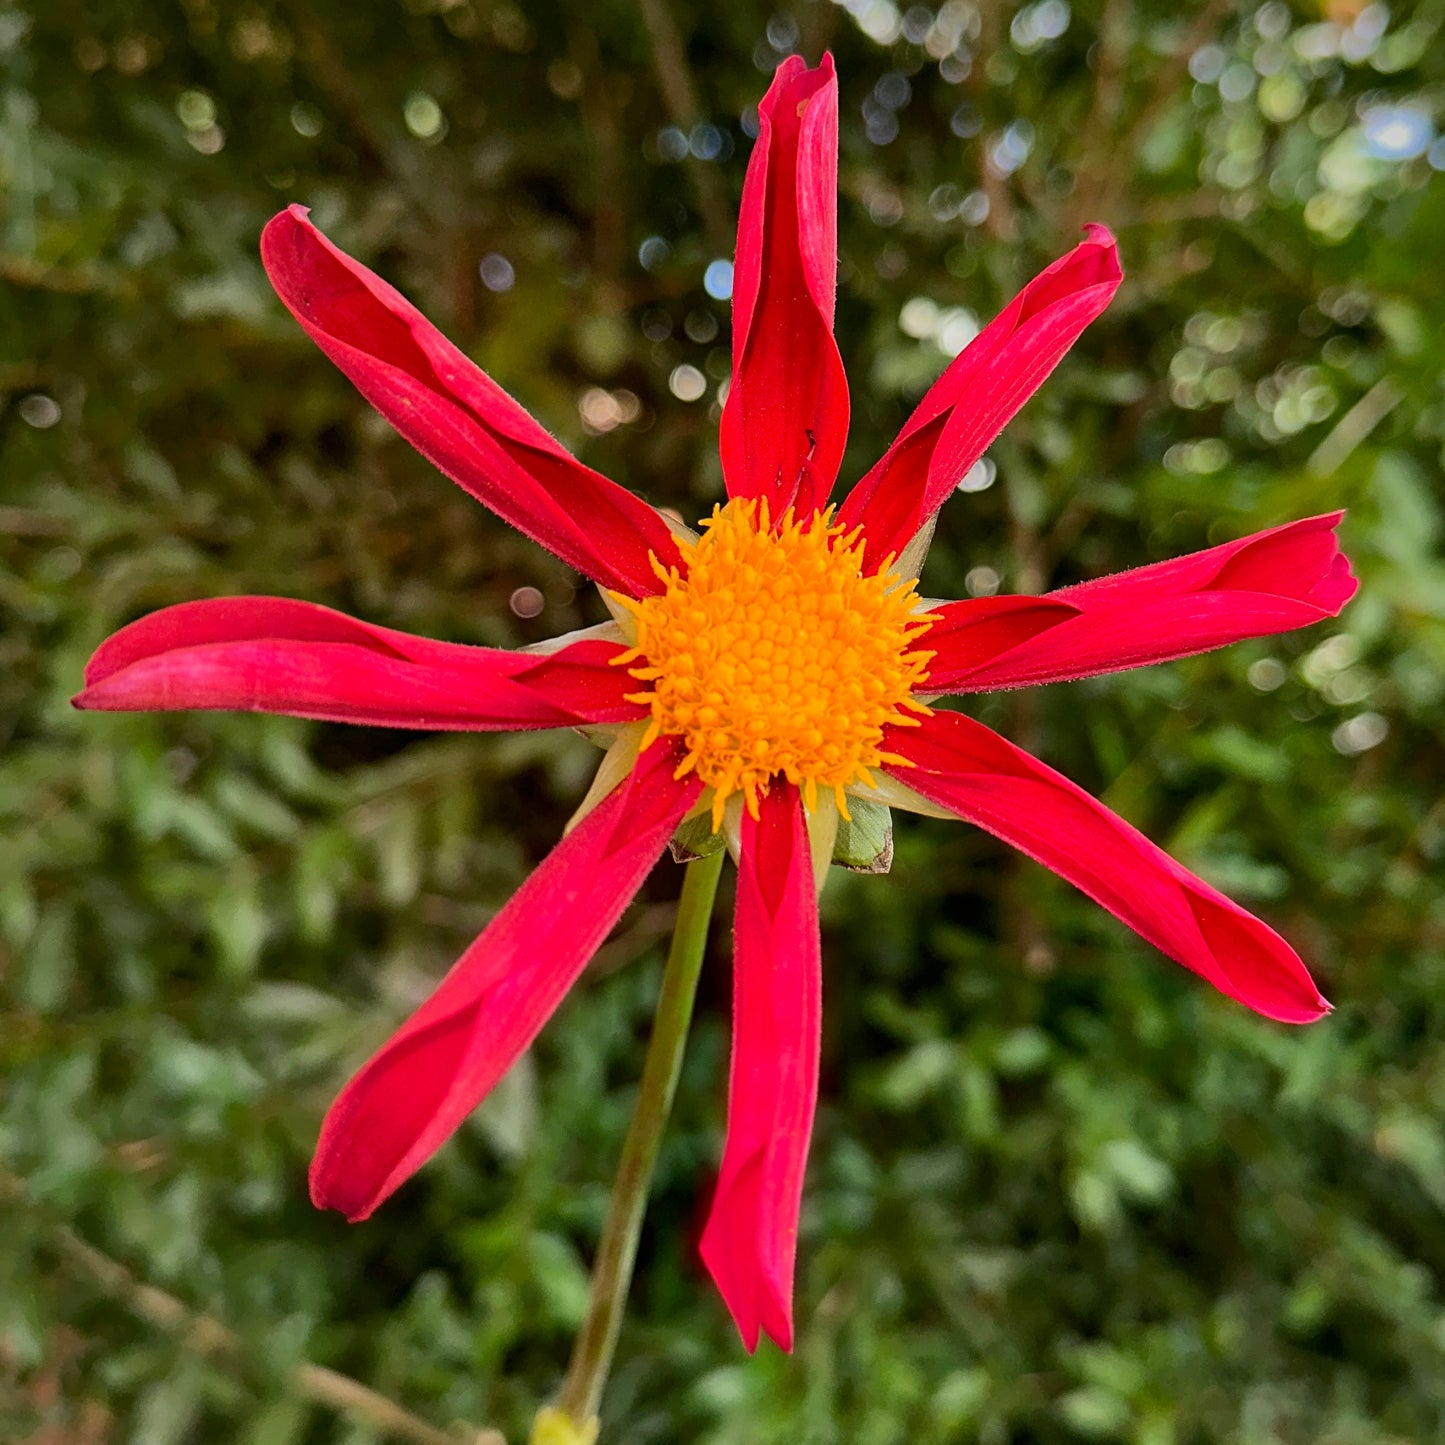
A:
x: 770, y: 654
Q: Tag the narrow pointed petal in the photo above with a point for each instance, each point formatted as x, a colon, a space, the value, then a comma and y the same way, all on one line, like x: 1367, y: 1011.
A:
x: 1270, y: 582
x: 973, y: 772
x: 785, y: 421
x: 751, y: 1238
x: 409, y: 1098
x: 972, y: 402
x: 272, y: 654
x: 458, y: 417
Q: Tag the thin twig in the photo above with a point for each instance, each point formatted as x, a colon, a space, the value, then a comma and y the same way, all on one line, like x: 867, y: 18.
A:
x: 1094, y: 152
x: 1171, y: 72
x: 679, y: 96
x: 1352, y: 428
x: 208, y: 1336
x: 332, y: 75
x: 16, y: 270
x: 598, y: 110
x: 999, y: 223
x: 25, y: 522
x: 1106, y: 195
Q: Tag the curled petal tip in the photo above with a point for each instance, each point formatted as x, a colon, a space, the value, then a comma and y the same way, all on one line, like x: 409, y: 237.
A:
x: 1306, y: 1011
x: 1105, y: 260
x: 794, y: 68
x: 1305, y: 1014
x: 294, y: 215
x: 327, y: 1197
x: 758, y: 1303
x: 1338, y: 586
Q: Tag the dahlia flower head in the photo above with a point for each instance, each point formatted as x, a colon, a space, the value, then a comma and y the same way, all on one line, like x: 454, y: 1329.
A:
x: 761, y: 682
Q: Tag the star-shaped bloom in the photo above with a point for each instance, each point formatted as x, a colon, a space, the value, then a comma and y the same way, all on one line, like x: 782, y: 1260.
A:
x: 762, y: 676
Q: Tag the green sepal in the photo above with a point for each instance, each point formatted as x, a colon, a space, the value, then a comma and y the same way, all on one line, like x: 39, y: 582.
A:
x: 865, y: 844
x: 695, y: 839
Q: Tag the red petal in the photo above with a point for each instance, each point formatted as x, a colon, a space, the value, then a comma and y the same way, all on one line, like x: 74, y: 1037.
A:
x: 271, y: 654
x: 1273, y: 581
x: 752, y: 1232
x: 972, y: 402
x: 785, y: 421
x: 459, y: 418
x: 420, y: 1085
x: 966, y: 768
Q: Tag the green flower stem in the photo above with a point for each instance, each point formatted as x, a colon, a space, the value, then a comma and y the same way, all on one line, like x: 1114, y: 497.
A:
x: 612, y: 1272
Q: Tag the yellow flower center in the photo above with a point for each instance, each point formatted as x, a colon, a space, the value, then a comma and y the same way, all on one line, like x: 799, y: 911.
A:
x: 771, y: 653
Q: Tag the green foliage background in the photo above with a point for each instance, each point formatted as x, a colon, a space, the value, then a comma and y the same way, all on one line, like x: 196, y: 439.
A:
x: 1060, y: 1191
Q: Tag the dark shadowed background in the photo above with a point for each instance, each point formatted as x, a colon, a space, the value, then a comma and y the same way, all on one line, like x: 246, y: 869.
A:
x: 1060, y: 1191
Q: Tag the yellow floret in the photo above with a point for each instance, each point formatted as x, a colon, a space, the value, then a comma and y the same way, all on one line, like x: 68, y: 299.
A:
x: 770, y: 653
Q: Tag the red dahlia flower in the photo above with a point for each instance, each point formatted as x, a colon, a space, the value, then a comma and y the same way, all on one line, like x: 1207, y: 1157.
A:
x: 759, y: 675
